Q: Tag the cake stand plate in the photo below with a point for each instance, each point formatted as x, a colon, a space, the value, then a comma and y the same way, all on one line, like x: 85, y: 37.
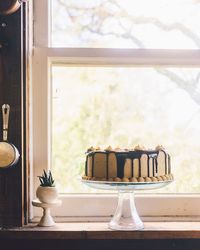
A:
x: 126, y: 216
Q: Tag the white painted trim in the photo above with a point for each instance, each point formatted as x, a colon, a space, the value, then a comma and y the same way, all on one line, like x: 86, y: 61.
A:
x: 88, y: 207
x: 40, y: 115
x: 42, y: 59
x: 148, y: 205
x: 121, y: 57
x: 107, y: 219
x: 41, y: 10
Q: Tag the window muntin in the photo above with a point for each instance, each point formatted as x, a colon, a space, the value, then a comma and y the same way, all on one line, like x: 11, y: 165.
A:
x: 155, y: 24
x: 122, y: 106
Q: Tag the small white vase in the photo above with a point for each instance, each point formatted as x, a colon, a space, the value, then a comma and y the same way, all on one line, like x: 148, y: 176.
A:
x: 47, y: 194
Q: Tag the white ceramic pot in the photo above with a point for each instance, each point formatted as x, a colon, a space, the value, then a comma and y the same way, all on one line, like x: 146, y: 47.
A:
x: 47, y: 194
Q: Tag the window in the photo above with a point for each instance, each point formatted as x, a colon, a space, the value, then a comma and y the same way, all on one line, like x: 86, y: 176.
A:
x: 134, y: 69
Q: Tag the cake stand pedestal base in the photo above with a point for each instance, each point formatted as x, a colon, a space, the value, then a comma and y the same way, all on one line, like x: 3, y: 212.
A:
x: 126, y: 216
x: 46, y: 220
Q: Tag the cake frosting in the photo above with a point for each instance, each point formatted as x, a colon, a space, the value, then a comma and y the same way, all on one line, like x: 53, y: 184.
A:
x: 128, y: 165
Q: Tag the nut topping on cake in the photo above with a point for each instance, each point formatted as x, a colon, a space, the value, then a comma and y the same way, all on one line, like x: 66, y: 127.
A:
x: 139, y: 147
x: 91, y: 149
x: 160, y: 147
x: 109, y: 148
x: 118, y: 149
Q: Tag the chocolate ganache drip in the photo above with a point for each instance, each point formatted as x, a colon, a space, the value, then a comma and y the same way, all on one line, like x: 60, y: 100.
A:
x: 122, y: 156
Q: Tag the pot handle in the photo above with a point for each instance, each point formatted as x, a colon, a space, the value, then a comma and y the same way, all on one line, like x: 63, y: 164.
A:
x: 5, y: 113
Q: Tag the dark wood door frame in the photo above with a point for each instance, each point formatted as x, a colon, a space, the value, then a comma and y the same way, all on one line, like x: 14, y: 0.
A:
x: 13, y: 184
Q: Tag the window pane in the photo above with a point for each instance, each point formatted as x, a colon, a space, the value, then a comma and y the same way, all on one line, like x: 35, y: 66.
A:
x: 103, y: 106
x: 161, y: 24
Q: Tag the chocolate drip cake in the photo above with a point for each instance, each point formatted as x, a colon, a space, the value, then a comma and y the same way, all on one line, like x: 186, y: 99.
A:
x: 128, y: 165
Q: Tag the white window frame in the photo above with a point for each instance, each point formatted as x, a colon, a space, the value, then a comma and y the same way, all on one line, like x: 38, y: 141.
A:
x: 94, y: 206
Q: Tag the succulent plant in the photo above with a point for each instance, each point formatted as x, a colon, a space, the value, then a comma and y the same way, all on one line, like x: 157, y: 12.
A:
x: 46, y: 180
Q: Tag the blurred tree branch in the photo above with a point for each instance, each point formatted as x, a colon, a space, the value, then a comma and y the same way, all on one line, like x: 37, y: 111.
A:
x: 190, y: 87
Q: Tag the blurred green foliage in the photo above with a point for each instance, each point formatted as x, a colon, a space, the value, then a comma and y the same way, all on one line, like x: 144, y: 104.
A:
x: 123, y: 107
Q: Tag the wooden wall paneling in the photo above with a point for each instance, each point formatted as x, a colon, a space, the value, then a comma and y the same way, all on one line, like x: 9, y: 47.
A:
x: 12, y: 85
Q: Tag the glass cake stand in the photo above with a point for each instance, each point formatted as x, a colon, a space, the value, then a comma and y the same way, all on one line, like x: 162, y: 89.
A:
x: 126, y: 216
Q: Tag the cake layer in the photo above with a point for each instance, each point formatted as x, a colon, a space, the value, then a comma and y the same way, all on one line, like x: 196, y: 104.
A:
x: 111, y: 164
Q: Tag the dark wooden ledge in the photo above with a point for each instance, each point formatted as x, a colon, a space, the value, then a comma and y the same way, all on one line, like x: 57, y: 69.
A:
x: 100, y: 231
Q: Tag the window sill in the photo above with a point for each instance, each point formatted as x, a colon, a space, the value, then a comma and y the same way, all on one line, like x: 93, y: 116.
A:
x: 92, y: 231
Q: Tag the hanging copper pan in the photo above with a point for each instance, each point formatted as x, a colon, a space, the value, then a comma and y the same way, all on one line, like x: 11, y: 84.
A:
x: 9, y: 6
x: 9, y: 154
